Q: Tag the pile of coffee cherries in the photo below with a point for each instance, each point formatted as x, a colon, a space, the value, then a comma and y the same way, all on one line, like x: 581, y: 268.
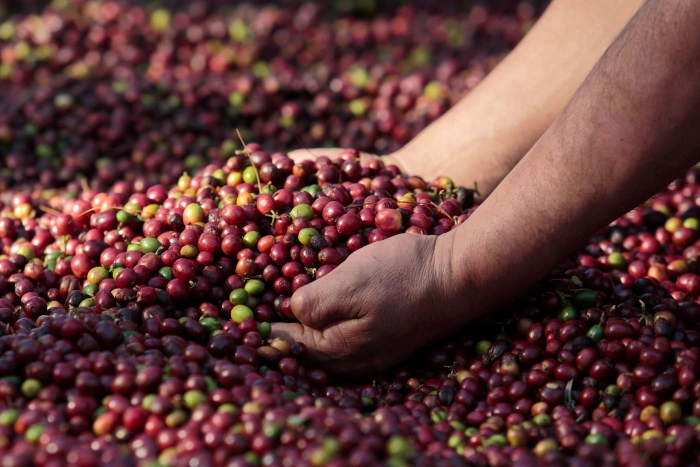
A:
x: 145, y: 250
x: 135, y: 330
x: 112, y: 90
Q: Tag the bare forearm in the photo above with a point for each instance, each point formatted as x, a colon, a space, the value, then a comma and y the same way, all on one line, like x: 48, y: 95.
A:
x: 487, y: 133
x: 630, y: 128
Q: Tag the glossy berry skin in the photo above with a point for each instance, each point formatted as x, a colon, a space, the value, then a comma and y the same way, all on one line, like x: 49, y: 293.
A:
x: 148, y: 253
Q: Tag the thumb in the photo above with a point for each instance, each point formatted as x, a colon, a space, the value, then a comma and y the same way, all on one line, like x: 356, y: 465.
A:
x: 318, y: 305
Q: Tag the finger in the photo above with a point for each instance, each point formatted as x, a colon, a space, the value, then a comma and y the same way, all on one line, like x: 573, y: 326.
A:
x: 328, y: 352
x: 295, y: 332
x: 322, y: 303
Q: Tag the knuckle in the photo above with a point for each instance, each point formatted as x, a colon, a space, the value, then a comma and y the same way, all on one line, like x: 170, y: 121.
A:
x: 302, y: 305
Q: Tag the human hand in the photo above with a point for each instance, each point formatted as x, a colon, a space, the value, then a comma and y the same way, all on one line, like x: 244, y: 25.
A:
x: 383, y: 303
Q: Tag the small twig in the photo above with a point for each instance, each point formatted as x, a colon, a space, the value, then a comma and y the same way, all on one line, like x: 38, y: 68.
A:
x: 247, y: 153
x: 62, y: 241
x: 273, y: 215
x: 439, y: 209
x: 304, y: 148
x: 138, y: 211
x: 48, y: 210
x: 84, y: 184
x: 568, y: 395
x: 646, y: 316
x: 476, y: 189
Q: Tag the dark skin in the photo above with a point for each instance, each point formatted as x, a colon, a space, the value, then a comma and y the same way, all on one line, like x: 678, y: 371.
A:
x: 629, y: 129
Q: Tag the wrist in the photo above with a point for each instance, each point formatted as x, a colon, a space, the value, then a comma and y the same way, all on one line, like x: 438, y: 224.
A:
x: 456, y: 273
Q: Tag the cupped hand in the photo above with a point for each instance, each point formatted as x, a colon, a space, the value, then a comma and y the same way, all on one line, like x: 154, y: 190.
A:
x: 382, y: 304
